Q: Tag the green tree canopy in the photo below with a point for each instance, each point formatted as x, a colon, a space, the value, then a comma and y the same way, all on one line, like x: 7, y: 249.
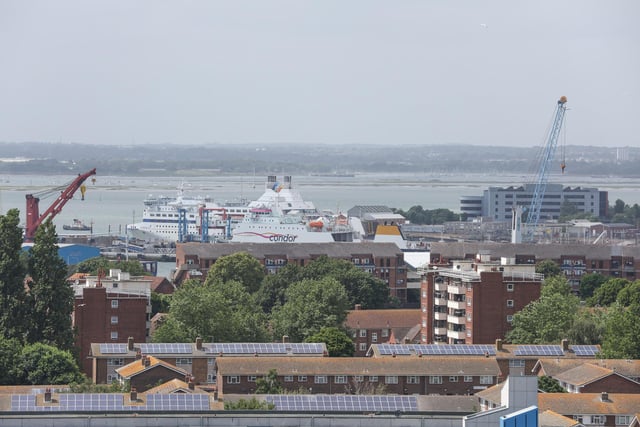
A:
x: 9, y: 347
x: 589, y: 283
x: 240, y: 267
x: 555, y: 285
x: 50, y: 295
x: 43, y: 364
x: 338, y: 342
x: 588, y: 327
x: 100, y: 264
x: 249, y: 404
x: 14, y: 311
x: 274, y: 286
x: 630, y: 294
x: 310, y: 306
x: 550, y: 385
x: 269, y: 384
x: 622, y: 340
x: 607, y: 293
x: 548, y: 268
x: 362, y: 288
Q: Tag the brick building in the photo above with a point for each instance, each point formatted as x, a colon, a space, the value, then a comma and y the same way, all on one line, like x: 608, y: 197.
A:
x: 474, y: 302
x: 383, y: 260
x: 110, y: 309
x: 574, y: 260
x: 398, y: 326
x: 601, y: 409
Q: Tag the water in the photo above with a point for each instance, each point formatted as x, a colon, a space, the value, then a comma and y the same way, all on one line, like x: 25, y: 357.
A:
x: 112, y: 202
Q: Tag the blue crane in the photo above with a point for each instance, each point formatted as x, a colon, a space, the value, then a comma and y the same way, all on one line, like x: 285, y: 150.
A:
x: 533, y: 213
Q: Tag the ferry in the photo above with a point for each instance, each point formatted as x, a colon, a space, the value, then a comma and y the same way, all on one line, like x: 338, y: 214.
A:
x: 77, y: 225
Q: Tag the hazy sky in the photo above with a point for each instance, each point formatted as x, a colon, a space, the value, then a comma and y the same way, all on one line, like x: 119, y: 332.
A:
x: 325, y: 71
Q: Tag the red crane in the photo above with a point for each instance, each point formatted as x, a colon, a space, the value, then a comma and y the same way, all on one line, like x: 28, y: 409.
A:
x: 34, y: 219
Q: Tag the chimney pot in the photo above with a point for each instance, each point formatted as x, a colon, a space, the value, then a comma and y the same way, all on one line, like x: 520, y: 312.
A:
x: 285, y: 339
x: 130, y: 343
x: 358, y: 307
x: 498, y: 344
x: 134, y: 394
x: 47, y: 395
x: 198, y: 343
x: 565, y: 344
x: 138, y: 355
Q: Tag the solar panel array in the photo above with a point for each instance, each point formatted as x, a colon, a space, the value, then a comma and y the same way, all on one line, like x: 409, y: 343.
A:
x: 265, y: 348
x: 113, y: 348
x: 390, y: 349
x: 166, y: 348
x: 343, y: 403
x: 460, y: 349
x: 111, y: 402
x: 539, y: 350
x: 585, y: 350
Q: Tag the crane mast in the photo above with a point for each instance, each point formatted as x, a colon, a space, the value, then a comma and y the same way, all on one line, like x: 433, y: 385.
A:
x: 542, y: 177
x: 34, y: 219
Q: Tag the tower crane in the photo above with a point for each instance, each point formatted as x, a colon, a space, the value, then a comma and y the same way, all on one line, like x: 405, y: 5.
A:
x: 34, y: 219
x: 542, y: 177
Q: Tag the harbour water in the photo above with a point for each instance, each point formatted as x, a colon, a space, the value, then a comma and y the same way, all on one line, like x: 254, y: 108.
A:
x: 112, y: 202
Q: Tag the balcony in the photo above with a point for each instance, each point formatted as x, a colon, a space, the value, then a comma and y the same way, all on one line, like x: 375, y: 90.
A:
x: 458, y: 305
x: 459, y: 290
x: 440, y: 331
x: 456, y: 320
x: 440, y: 286
x: 440, y: 301
x: 440, y: 316
x: 461, y: 335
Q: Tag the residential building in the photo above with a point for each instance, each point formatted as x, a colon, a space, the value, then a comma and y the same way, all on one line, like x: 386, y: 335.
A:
x: 554, y: 366
x: 593, y: 409
x: 383, y: 260
x: 591, y: 378
x: 110, y: 310
x: 474, y: 301
x: 147, y: 371
x: 396, y: 326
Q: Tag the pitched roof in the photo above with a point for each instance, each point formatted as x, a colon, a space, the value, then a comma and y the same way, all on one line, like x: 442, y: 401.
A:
x: 553, y: 419
x: 583, y: 374
x: 554, y: 366
x: 493, y: 394
x: 380, y: 319
x: 137, y: 367
x: 382, y: 366
x: 589, y: 403
x: 174, y: 386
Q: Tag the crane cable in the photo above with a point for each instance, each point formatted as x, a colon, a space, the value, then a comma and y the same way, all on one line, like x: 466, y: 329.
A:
x: 563, y: 143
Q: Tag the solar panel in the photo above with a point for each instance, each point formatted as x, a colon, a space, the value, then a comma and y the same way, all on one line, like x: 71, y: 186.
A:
x: 306, y: 348
x: 343, y: 403
x: 247, y: 348
x: 23, y: 403
x: 177, y: 402
x: 166, y: 348
x: 450, y: 349
x: 114, y: 348
x: 539, y: 350
x: 391, y: 349
x: 585, y: 350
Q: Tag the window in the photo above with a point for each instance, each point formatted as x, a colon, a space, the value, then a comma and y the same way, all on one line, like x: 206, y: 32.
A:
x: 359, y: 378
x: 184, y: 361
x: 363, y: 333
x: 363, y: 346
x: 435, y: 379
x: 114, y: 303
x: 302, y: 378
x: 111, y: 378
x: 114, y: 285
x: 509, y: 303
x: 233, y: 379
x: 385, y: 333
x: 623, y: 420
x: 320, y: 379
x: 510, y: 287
x: 453, y: 379
x: 486, y: 379
x: 114, y: 335
x: 252, y: 378
x: 468, y: 379
x: 374, y: 337
x: 288, y: 378
x: 115, y: 362
x: 114, y: 320
x: 391, y: 379
x: 211, y: 361
x: 509, y: 318
x: 211, y: 378
x: 516, y: 363
x: 340, y: 379
x: 373, y: 378
x: 597, y: 419
x: 413, y: 379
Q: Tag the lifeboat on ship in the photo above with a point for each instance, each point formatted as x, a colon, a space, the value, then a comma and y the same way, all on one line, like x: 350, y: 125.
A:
x: 316, y: 224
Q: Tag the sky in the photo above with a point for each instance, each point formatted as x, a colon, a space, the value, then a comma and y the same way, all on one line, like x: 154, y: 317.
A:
x: 479, y: 72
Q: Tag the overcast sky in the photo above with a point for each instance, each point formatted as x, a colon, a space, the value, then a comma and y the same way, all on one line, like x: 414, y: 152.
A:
x: 325, y: 71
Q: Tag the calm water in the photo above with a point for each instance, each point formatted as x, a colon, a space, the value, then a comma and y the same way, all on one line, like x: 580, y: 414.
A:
x: 112, y: 202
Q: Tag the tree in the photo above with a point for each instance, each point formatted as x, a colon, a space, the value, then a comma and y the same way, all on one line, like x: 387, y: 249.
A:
x: 338, y: 342
x: 589, y: 283
x: 241, y: 267
x: 361, y: 287
x: 607, y: 293
x: 273, y: 288
x: 622, y: 340
x: 588, y: 327
x: 269, y: 384
x: 249, y: 404
x: 8, y: 350
x: 14, y: 314
x: 544, y: 321
x: 44, y: 364
x: 49, y: 293
x: 310, y: 306
x: 630, y: 294
x: 548, y: 268
x: 100, y: 264
x: 550, y: 385
x: 160, y: 303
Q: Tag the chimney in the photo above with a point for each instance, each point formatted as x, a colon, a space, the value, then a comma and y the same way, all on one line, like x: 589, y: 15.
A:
x: 145, y: 360
x: 358, y: 307
x: 47, y: 395
x: 498, y: 344
x: 130, y: 343
x: 565, y: 344
x: 191, y: 383
x: 138, y: 354
x: 198, y: 343
x: 285, y: 339
x: 134, y: 394
x: 604, y: 396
